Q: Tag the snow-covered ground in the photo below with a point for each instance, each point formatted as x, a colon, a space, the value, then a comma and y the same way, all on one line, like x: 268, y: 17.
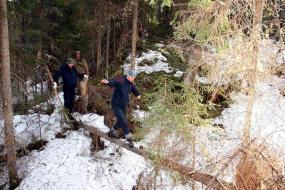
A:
x: 268, y: 117
x: 36, y: 126
x: 67, y: 163
x: 159, y: 63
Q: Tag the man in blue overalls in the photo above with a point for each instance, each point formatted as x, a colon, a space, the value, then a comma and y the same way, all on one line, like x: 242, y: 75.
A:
x: 123, y: 87
x: 69, y: 76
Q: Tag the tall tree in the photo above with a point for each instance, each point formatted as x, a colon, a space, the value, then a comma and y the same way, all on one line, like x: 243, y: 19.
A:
x: 7, y: 95
x: 108, y: 40
x: 99, y: 37
x: 134, y: 33
x: 252, y: 72
x: 246, y: 170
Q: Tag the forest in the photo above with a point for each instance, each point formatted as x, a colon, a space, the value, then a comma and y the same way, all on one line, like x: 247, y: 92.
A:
x: 142, y: 94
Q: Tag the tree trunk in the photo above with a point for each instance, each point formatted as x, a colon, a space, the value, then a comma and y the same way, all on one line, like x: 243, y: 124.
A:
x: 247, y: 173
x: 108, y: 45
x: 99, y: 39
x: 252, y: 73
x: 134, y: 33
x: 93, y: 58
x: 7, y: 96
x: 114, y: 39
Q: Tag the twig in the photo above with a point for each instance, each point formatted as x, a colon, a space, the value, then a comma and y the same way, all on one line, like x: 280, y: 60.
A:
x: 231, y: 158
x: 56, y: 93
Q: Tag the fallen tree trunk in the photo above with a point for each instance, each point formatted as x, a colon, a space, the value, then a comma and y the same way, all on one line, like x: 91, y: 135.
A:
x: 186, y: 171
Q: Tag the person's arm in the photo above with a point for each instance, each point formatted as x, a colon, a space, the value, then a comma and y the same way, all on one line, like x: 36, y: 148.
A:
x: 85, y: 67
x: 135, y: 92
x: 79, y: 75
x: 110, y: 82
x: 58, y: 74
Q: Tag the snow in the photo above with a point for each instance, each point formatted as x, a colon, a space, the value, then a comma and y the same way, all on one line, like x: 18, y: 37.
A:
x: 35, y: 126
x: 268, y: 116
x: 92, y: 119
x: 68, y: 163
x: 159, y: 64
x: 31, y: 88
x: 71, y: 161
x: 159, y: 45
x: 231, y: 64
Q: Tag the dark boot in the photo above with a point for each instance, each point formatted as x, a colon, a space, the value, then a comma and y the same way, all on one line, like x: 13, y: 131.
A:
x: 113, y: 133
x: 130, y: 140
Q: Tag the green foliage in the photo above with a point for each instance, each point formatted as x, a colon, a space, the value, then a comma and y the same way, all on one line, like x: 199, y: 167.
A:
x: 174, y: 105
x: 206, y: 24
x: 157, y: 16
x: 53, y: 26
x: 200, y: 3
x: 175, y: 59
x: 164, y: 3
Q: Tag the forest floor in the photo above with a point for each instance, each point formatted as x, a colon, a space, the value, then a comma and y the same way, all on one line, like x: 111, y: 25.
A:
x: 68, y: 162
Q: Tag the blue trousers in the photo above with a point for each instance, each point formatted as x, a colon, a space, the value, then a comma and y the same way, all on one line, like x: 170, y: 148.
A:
x: 69, y: 96
x: 120, y: 113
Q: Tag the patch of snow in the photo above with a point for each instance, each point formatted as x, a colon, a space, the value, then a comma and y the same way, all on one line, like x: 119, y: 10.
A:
x: 68, y: 164
x: 267, y: 119
x: 31, y: 88
x: 159, y: 45
x: 4, y: 176
x: 178, y: 74
x: 202, y: 80
x: 92, y: 119
x: 159, y: 64
x: 33, y: 127
x: 231, y: 64
x: 139, y: 114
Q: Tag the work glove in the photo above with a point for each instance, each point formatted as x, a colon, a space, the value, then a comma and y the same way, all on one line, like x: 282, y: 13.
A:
x: 86, y: 77
x: 54, y: 85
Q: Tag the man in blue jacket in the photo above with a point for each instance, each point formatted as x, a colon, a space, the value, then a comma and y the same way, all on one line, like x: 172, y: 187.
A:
x: 69, y: 76
x: 120, y: 99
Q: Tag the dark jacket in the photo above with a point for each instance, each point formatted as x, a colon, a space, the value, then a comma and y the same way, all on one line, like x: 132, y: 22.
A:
x: 123, y: 87
x: 69, y: 76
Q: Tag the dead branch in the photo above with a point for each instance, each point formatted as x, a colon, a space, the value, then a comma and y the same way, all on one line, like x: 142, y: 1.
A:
x: 231, y: 158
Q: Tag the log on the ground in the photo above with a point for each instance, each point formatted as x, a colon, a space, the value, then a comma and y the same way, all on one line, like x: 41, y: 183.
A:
x: 186, y: 171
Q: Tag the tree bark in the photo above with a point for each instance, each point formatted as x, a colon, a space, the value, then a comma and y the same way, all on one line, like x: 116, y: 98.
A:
x: 99, y: 39
x: 108, y: 45
x: 134, y: 33
x: 246, y: 170
x: 252, y: 72
x: 7, y: 96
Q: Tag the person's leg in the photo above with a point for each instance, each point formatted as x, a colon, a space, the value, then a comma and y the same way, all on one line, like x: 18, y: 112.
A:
x: 121, y: 118
x: 125, y: 128
x: 83, y: 94
x: 72, y: 98
x: 67, y: 103
x: 66, y: 99
x: 116, y: 111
